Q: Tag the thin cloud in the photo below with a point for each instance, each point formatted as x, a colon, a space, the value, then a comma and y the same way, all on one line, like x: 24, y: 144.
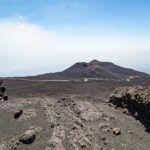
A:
x: 25, y: 46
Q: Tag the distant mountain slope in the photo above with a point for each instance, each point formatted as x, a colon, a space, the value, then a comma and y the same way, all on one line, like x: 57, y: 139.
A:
x: 93, y: 69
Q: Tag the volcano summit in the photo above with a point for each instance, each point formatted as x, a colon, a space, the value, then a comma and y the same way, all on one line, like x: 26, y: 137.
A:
x: 94, y: 69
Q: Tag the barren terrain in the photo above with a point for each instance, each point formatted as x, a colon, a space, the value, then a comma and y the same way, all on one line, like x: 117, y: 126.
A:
x: 68, y: 115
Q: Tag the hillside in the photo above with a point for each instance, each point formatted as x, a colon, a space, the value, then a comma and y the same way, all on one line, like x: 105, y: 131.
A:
x: 93, y: 69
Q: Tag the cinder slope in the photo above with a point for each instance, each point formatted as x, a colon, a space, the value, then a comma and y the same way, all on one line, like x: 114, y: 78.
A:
x: 93, y: 69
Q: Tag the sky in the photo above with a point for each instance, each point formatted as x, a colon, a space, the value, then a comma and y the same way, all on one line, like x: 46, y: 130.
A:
x: 41, y: 36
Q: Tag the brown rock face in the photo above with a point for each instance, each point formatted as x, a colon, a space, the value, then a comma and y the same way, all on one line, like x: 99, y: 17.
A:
x: 136, y: 100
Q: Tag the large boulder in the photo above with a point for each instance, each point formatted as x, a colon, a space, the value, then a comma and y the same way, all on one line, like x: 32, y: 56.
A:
x: 28, y: 137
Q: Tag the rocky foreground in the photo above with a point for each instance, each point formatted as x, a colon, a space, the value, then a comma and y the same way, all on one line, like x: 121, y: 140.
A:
x: 76, y: 122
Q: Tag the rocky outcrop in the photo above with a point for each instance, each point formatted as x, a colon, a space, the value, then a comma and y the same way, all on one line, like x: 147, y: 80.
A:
x: 3, y: 96
x: 135, y: 100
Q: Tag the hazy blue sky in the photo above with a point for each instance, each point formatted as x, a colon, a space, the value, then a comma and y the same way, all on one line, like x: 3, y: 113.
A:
x: 38, y: 36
